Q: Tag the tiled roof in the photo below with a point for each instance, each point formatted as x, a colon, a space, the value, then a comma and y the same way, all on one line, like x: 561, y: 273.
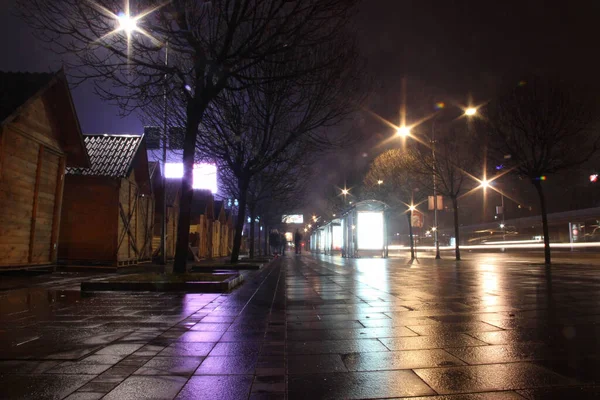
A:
x: 18, y: 87
x: 110, y: 155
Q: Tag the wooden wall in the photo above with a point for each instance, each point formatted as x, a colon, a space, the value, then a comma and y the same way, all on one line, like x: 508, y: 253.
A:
x: 172, y: 221
x: 31, y: 178
x: 145, y: 226
x: 127, y: 210
x: 89, y: 220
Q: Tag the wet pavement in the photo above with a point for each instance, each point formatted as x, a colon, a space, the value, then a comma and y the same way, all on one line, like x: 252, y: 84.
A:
x: 491, y: 327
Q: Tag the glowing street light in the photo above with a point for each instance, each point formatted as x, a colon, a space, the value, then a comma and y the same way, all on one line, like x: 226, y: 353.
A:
x: 345, y: 192
x: 127, y: 23
x: 403, y: 131
x: 434, y: 229
x: 412, y: 207
x: 379, y: 182
x: 484, y: 183
x: 471, y: 111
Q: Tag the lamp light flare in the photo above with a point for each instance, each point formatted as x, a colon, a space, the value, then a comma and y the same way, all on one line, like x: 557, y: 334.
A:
x: 379, y: 182
x: 345, y: 191
x: 127, y: 23
x: 412, y: 208
x: 485, y: 183
x: 469, y: 112
x: 403, y: 131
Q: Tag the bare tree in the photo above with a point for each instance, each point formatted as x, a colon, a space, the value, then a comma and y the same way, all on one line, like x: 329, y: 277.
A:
x: 263, y: 126
x: 539, y: 128
x: 214, y: 46
x: 400, y: 187
x: 456, y: 157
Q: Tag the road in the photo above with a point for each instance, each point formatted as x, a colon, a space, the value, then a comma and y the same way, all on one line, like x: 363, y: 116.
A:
x: 492, y: 326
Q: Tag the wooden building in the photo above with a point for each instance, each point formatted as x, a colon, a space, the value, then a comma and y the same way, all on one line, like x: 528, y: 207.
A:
x: 109, y: 208
x: 201, y: 222
x: 39, y: 137
x: 173, y: 187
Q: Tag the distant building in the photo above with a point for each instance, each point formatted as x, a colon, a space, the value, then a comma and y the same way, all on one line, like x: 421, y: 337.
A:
x: 205, y: 174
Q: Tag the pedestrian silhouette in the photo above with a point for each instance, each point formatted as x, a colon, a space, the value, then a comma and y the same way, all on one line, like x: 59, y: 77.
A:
x: 298, y: 241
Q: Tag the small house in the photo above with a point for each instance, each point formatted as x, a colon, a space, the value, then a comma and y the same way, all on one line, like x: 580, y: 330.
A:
x: 39, y: 137
x: 108, y: 216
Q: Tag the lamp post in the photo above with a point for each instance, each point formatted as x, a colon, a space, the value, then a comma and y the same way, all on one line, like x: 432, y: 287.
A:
x: 163, y: 233
x: 435, y: 216
x: 468, y: 112
x: 128, y: 25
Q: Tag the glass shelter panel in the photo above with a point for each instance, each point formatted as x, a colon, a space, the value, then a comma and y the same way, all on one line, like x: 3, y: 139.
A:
x: 370, y: 230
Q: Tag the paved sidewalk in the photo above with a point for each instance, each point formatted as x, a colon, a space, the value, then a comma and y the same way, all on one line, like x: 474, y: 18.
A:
x: 315, y: 328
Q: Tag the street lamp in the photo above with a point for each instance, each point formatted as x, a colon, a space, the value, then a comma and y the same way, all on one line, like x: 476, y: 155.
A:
x: 403, y: 131
x: 127, y: 23
x: 379, y: 182
x: 484, y: 183
x: 471, y: 111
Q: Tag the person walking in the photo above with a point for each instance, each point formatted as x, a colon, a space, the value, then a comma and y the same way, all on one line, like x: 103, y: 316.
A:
x: 298, y: 241
x: 282, y: 243
x: 274, y: 241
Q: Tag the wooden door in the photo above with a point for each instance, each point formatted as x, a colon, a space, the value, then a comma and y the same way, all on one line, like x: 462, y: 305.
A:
x: 17, y: 185
x: 46, y: 207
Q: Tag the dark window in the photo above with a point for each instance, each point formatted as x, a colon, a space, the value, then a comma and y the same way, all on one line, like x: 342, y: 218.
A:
x: 152, y: 134
x: 176, y: 135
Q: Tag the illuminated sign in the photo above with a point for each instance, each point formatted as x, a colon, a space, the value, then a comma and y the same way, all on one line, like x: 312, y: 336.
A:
x: 370, y: 230
x: 205, y: 175
x: 293, y: 219
x: 338, y: 237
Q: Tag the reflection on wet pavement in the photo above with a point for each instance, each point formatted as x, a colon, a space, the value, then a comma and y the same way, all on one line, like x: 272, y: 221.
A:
x: 313, y: 327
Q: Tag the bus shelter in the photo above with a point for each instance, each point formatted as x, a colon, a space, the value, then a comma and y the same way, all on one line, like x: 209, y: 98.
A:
x: 359, y: 232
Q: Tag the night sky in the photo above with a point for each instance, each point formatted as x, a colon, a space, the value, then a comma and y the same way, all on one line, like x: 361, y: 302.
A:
x: 448, y: 50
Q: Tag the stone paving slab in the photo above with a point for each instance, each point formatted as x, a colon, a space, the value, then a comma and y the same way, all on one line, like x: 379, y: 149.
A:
x: 307, y: 327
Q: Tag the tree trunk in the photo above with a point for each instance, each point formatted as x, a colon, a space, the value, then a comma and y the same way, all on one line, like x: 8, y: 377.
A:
x: 456, y: 228
x: 266, y: 246
x: 538, y: 186
x: 194, y: 117
x: 259, y: 246
x: 241, y: 218
x: 252, y: 234
x: 410, y: 236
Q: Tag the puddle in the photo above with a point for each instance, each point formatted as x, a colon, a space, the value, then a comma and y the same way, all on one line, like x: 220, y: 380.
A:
x: 37, y: 301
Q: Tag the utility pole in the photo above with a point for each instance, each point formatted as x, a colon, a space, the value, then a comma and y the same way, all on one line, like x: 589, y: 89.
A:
x: 435, y: 205
x: 163, y: 233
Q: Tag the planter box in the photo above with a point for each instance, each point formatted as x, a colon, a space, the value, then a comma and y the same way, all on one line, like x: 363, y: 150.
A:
x: 116, y: 284
x: 227, y: 267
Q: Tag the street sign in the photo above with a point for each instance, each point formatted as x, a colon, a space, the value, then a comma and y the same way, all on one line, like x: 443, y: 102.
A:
x: 417, y: 219
x: 440, y: 203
